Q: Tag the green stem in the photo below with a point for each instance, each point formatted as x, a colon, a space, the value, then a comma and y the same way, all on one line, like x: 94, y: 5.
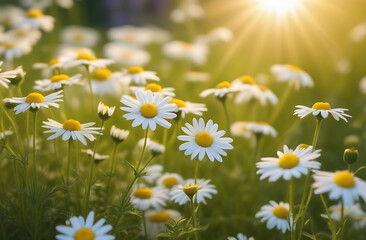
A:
x: 307, y: 188
x: 13, y: 123
x: 92, y: 170
x: 144, y: 221
x: 196, y: 171
x: 111, y: 172
x: 143, y: 150
x: 331, y: 223
x: 90, y: 86
x: 68, y: 163
x: 342, y: 220
x: 358, y: 170
x: 194, y: 216
x: 223, y: 101
x: 34, y: 145
x: 291, y: 200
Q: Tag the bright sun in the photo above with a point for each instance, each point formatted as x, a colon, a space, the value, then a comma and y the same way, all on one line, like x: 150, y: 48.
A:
x: 279, y: 7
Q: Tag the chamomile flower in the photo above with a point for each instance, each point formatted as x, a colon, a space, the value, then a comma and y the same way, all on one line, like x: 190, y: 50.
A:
x: 262, y: 128
x: 98, y: 158
x: 290, y: 163
x: 156, y: 220
x: 153, y: 172
x: 353, y: 212
x: 148, y: 110
x: 57, y: 82
x: 19, y: 75
x: 104, y: 111
x: 126, y: 55
x: 204, y: 139
x: 340, y: 185
x: 36, y: 19
x: 321, y: 109
x: 156, y: 148
x: 201, y: 191
x: 193, y: 52
x: 276, y: 215
x: 144, y: 197
x: 185, y: 107
x: 170, y: 180
x: 23, y: 33
x: 52, y: 65
x: 239, y: 129
x: 105, y: 81
x: 291, y: 73
x: 130, y: 35
x: 240, y: 236
x: 80, y: 36
x: 189, y: 9
x: 138, y: 75
x: 220, y: 91
x: 118, y: 135
x: 12, y: 50
x: 5, y: 77
x: 153, y: 87
x: 86, y: 59
x: 10, y: 15
x: 34, y: 101
x: 84, y: 229
x: 71, y: 129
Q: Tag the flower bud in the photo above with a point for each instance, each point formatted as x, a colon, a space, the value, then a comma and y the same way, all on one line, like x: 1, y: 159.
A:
x: 350, y: 155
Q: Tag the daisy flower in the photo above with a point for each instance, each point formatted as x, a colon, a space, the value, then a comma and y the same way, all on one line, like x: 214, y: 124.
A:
x: 276, y: 215
x: 202, y: 190
x: 98, y: 158
x: 104, y: 111
x: 153, y: 87
x: 244, y: 80
x: 148, y: 110
x: 5, y: 76
x: 19, y: 75
x: 185, y: 107
x: 290, y: 163
x: 105, y: 81
x: 222, y: 90
x: 239, y: 129
x: 156, y: 220
x: 340, y: 184
x: 118, y: 135
x: 153, y: 172
x: 80, y: 36
x: 259, y: 92
x: 130, y: 35
x: 82, y: 58
x: 204, y: 139
x: 156, y: 148
x: 291, y: 73
x: 36, y: 19
x: 36, y: 100
x: 138, y: 75
x: 322, y: 110
x: 57, y: 82
x: 262, y: 128
x: 71, y: 128
x: 144, y: 197
x: 353, y: 212
x: 240, y: 236
x: 10, y: 15
x: 193, y: 52
x: 170, y: 180
x: 11, y: 50
x: 126, y: 55
x: 23, y: 33
x: 84, y: 229
x: 53, y: 64
x: 189, y: 9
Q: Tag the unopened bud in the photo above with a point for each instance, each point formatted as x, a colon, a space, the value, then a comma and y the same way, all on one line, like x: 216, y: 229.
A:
x: 350, y: 155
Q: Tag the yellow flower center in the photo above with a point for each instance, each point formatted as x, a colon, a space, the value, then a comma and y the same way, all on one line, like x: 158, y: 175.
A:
x: 294, y: 68
x: 53, y: 61
x: 84, y: 234
x: 154, y: 87
x: 143, y: 193
x: 34, y: 98
x: 204, y: 139
x: 77, y: 37
x: 71, y: 125
x: 303, y: 146
x: 187, y: 46
x: 263, y: 88
x: 60, y: 77
x: 178, y: 102
x: 344, y: 179
x: 19, y: 33
x: 246, y: 79
x: 160, y: 217
x: 321, y: 106
x: 191, y: 189
x: 170, y: 182
x: 101, y: 74
x: 129, y: 37
x: 224, y: 84
x: 289, y: 160
x: 280, y: 212
x: 148, y: 110
x: 135, y: 69
x: 8, y: 45
x: 34, y: 13
x: 84, y: 56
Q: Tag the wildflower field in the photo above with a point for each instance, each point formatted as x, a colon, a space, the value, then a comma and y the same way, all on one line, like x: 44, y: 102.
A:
x: 182, y: 119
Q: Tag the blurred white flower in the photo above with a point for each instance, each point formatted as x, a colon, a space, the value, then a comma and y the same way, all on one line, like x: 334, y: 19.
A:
x: 126, y: 55
x: 80, y: 36
x: 343, y: 66
x: 156, y: 220
x: 293, y: 74
x: 358, y: 33
x: 130, y: 35
x: 188, y: 9
x: 193, y: 52
x: 36, y: 19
